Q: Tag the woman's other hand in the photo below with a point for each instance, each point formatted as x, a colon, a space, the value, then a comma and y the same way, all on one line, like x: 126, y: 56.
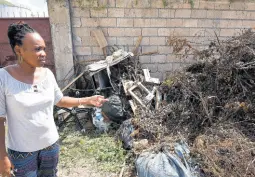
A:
x: 5, y: 167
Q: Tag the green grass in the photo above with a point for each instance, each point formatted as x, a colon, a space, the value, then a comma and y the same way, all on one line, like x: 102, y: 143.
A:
x: 100, y: 151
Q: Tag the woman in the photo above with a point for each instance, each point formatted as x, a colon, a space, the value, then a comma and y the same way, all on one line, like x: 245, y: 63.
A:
x: 28, y: 93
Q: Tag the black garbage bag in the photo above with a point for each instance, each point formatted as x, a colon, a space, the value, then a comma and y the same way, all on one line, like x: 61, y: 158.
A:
x: 123, y: 134
x: 114, y: 109
x: 164, y: 164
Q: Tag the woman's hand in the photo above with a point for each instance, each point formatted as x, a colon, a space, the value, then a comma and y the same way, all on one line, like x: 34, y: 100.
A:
x: 5, y: 167
x: 97, y: 100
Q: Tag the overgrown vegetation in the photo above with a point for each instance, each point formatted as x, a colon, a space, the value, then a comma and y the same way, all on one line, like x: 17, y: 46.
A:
x: 3, y: 2
x: 192, y: 4
x: 165, y: 3
x: 210, y: 103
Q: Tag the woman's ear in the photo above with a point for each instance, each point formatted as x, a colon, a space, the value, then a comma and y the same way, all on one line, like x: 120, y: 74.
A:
x: 17, y: 50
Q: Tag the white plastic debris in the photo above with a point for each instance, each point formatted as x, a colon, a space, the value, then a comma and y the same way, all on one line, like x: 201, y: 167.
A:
x: 98, y: 120
x: 148, y: 78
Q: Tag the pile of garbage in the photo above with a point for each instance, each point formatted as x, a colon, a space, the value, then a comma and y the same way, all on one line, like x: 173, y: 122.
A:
x: 211, y: 104
x: 199, y: 122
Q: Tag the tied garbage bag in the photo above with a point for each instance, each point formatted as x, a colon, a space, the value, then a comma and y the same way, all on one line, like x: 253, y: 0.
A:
x: 123, y: 134
x: 113, y: 109
x: 165, y: 164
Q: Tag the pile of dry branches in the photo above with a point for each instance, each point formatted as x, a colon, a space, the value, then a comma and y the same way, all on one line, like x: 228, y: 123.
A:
x: 212, y: 104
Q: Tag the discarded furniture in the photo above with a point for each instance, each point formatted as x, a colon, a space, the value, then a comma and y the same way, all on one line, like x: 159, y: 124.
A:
x: 148, y: 78
x: 72, y: 113
x: 100, y: 75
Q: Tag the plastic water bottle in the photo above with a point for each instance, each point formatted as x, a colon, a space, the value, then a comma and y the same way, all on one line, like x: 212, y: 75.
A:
x: 98, y: 120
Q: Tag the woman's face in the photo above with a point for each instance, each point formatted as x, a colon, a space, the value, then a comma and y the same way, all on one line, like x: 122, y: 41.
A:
x: 33, y: 50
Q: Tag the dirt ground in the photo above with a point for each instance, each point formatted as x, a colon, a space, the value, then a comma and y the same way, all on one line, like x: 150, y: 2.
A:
x: 84, y: 171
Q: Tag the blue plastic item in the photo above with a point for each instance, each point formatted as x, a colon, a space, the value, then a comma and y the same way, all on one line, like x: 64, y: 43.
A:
x: 165, y: 164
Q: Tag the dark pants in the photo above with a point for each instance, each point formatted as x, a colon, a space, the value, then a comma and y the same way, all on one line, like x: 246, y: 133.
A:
x: 42, y: 163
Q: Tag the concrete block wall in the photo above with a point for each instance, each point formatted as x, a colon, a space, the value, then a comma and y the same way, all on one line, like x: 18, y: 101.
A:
x: 123, y: 21
x: 59, y: 13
